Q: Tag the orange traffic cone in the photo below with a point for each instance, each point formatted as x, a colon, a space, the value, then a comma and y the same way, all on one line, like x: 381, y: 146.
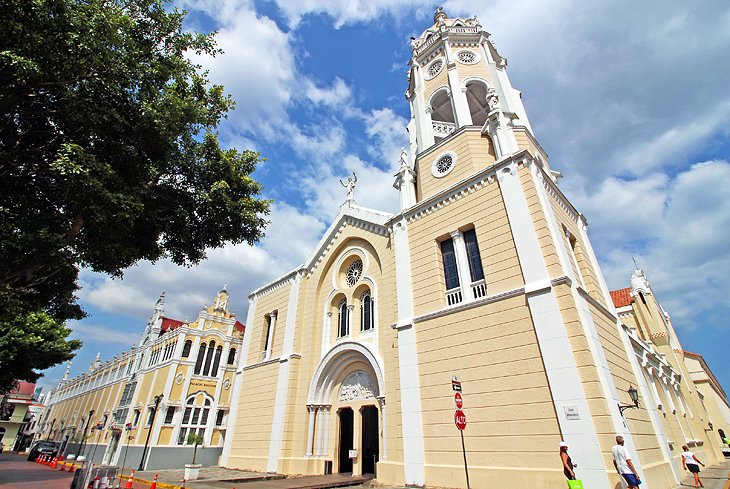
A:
x: 129, y: 481
x: 54, y: 462
x: 71, y: 467
x: 154, y: 483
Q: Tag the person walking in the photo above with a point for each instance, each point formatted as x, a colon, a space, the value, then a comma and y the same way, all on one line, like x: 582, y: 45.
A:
x: 692, y: 463
x: 568, y: 464
x: 624, y: 465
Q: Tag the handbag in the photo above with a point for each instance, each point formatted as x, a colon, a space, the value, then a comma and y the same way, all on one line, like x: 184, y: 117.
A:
x: 575, y: 484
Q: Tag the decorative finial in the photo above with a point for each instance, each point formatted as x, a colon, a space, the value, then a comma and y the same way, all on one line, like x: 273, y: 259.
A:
x: 350, y: 186
x: 439, y: 14
x: 160, y: 302
x: 68, y: 370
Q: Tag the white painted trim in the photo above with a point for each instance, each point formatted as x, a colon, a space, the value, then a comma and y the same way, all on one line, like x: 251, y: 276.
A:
x: 434, y: 163
x: 282, y: 382
x: 427, y: 75
x: 237, y: 384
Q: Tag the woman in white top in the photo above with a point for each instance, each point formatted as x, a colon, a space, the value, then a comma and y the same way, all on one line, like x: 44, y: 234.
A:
x: 692, y: 463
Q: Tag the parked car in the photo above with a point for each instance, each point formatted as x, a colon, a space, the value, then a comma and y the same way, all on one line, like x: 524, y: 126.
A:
x: 42, y: 447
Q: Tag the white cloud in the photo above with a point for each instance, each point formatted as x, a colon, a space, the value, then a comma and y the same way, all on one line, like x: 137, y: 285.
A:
x: 350, y: 12
x: 104, y: 334
x: 333, y: 97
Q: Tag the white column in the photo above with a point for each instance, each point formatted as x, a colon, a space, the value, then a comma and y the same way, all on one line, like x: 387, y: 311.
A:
x: 410, y: 384
x: 461, y: 108
x: 557, y: 354
x: 326, y: 423
x: 462, y: 264
x: 320, y: 431
x: 244, y: 357
x: 310, y: 430
x: 282, y: 382
x: 383, y: 430
x: 422, y: 113
x: 326, y: 333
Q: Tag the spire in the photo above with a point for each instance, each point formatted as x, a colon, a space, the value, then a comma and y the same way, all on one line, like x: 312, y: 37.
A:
x: 160, y: 305
x: 68, y: 370
x: 96, y: 362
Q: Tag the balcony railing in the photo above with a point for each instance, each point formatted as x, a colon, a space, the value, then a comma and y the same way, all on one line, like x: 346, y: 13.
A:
x: 479, y: 289
x: 442, y: 129
x: 453, y: 296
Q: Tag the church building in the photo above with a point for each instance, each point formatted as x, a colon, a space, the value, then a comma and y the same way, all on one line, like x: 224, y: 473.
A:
x: 485, y: 281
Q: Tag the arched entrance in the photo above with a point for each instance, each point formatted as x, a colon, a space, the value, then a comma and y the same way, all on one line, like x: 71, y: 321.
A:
x: 348, y: 384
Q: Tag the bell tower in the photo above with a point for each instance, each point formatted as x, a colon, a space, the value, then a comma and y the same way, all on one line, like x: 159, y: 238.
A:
x: 465, y: 114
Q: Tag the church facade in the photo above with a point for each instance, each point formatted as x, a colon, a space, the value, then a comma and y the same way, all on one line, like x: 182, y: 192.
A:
x: 486, y: 276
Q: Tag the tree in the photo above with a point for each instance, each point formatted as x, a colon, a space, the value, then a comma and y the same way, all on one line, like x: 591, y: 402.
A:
x: 195, y: 439
x: 108, y: 150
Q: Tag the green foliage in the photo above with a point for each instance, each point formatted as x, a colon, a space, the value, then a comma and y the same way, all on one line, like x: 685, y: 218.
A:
x: 31, y: 341
x: 108, y: 150
x: 195, y: 439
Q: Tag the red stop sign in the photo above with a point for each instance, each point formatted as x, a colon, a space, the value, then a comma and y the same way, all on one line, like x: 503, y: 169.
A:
x: 458, y: 400
x: 460, y: 419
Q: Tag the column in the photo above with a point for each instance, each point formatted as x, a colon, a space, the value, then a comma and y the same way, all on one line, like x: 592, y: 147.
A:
x: 310, y: 430
x: 326, y: 423
x: 383, y: 430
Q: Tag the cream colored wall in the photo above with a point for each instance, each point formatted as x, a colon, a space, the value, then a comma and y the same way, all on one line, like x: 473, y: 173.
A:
x: 540, y: 223
x: 474, y: 152
x: 493, y: 350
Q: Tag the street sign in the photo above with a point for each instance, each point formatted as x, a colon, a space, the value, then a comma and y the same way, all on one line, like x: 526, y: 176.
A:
x: 456, y: 385
x: 460, y: 419
x: 458, y: 400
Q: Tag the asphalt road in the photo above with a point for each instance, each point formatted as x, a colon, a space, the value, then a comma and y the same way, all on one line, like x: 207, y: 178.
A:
x: 17, y: 473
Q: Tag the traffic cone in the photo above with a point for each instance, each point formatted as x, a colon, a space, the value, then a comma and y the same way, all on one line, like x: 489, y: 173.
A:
x: 154, y: 483
x: 182, y: 486
x: 129, y: 481
x: 71, y: 468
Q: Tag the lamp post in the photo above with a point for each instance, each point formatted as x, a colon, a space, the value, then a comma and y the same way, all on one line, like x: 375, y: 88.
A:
x: 634, y: 395
x: 50, y: 430
x: 96, y: 442
x: 83, y: 437
x: 127, y: 429
x: 158, y: 398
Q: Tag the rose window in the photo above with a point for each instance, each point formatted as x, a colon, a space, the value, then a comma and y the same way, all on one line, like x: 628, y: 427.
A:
x: 467, y: 57
x: 444, y: 164
x: 354, y: 272
x: 435, y: 67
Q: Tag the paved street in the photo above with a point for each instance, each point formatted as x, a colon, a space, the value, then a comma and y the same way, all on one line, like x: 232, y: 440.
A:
x: 17, y: 473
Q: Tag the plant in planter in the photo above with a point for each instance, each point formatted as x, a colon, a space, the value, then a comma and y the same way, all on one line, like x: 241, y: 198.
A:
x: 192, y: 470
x: 195, y: 439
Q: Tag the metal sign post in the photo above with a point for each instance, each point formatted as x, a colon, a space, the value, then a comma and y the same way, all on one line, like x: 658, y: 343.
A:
x: 460, y: 422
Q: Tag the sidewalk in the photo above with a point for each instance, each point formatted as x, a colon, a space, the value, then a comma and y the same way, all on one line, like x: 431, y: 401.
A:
x: 714, y: 477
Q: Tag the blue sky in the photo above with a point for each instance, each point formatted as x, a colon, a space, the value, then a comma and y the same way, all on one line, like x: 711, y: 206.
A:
x: 629, y: 101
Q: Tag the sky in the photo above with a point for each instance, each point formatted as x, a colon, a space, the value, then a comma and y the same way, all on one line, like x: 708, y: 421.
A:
x: 629, y: 99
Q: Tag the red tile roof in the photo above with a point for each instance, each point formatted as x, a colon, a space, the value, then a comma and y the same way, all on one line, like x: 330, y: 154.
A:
x: 170, y: 324
x: 24, y: 389
x: 622, y: 297
x: 239, y: 326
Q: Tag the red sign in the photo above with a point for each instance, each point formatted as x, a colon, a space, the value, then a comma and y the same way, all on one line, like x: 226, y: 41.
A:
x: 458, y: 400
x: 460, y: 419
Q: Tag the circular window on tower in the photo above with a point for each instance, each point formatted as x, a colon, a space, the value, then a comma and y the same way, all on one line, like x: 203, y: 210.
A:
x: 443, y: 165
x: 467, y: 57
x: 354, y: 272
x: 434, y: 68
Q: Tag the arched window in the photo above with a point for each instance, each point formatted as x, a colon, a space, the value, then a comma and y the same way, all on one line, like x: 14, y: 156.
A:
x: 476, y: 97
x: 231, y: 356
x: 442, y: 115
x: 209, y: 358
x: 195, y: 418
x: 216, y: 361
x: 186, y: 348
x: 343, y: 328
x: 199, y: 360
x: 366, y: 312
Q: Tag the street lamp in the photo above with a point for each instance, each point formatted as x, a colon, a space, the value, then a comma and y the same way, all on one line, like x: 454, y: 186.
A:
x: 99, y: 428
x: 83, y: 437
x: 634, y: 395
x: 158, y: 398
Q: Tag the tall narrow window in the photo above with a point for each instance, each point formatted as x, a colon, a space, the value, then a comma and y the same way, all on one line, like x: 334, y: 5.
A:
x: 231, y: 356
x: 366, y: 312
x: 216, y: 361
x: 195, y: 419
x: 451, y: 272
x: 472, y: 253
x: 199, y: 361
x: 170, y: 414
x: 268, y: 327
x: 342, y: 322
x: 186, y: 348
x: 209, y: 358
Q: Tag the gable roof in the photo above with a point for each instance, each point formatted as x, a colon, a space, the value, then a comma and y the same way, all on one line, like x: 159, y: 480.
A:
x: 622, y: 297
